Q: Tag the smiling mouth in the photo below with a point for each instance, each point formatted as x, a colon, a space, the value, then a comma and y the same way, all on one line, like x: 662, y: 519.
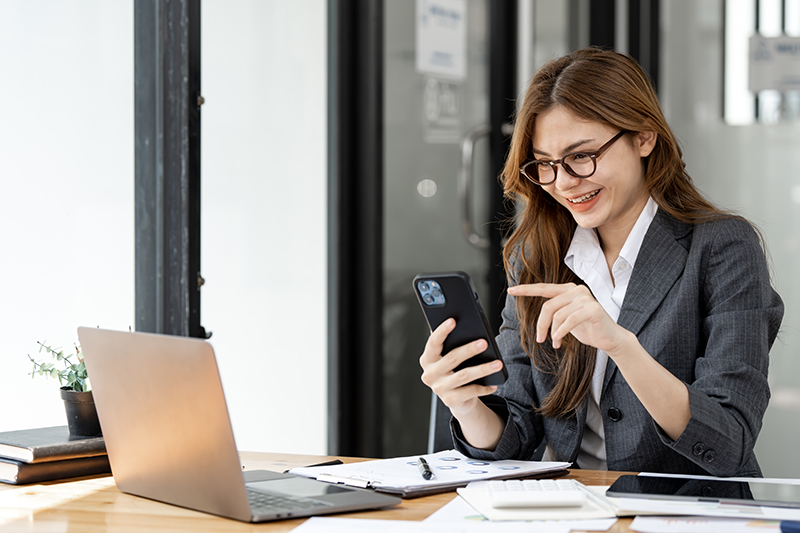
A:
x: 585, y: 198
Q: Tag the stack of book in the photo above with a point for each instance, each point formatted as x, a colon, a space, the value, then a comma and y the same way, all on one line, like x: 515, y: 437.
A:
x: 45, y: 454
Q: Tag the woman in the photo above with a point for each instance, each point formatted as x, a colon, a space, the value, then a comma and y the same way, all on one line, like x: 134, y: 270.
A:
x: 639, y: 317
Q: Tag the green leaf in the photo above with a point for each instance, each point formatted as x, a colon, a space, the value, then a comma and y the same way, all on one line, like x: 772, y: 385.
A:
x: 53, y: 373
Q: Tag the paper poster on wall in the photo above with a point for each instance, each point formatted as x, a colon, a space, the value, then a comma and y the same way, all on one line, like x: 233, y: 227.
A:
x: 774, y: 63
x: 441, y: 108
x: 441, y: 39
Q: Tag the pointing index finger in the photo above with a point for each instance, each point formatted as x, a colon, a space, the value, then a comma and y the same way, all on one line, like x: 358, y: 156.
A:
x: 546, y: 290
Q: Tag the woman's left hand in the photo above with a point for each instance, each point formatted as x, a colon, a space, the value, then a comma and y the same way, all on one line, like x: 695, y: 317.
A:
x: 573, y: 309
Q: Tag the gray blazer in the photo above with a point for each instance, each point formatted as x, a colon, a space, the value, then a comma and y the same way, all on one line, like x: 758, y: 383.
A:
x: 700, y: 302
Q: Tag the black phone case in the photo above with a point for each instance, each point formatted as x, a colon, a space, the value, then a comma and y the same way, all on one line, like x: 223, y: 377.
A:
x: 462, y: 304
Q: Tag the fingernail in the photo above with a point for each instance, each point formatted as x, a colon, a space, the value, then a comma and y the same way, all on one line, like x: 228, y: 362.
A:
x: 481, y: 345
x: 496, y: 365
x: 512, y: 290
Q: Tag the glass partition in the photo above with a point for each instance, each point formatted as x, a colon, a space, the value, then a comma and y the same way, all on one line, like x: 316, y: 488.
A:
x: 264, y: 194
x: 751, y: 169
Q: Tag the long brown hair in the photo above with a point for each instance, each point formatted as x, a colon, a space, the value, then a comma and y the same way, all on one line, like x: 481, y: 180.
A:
x: 609, y: 88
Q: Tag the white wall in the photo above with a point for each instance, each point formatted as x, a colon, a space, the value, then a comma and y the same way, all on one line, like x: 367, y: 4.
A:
x: 264, y: 225
x: 67, y: 211
x: 66, y: 204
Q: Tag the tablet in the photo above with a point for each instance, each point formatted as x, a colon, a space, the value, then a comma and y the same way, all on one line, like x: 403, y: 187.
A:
x: 712, y: 490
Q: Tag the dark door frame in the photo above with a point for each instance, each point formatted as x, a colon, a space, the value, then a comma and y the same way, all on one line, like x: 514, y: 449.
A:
x: 355, y: 209
x: 167, y: 161
x: 355, y: 226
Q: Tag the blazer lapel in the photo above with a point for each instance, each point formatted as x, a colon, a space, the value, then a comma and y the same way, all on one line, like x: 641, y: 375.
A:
x: 660, y: 263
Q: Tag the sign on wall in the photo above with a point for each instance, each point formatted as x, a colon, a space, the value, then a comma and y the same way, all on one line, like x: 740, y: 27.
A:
x: 774, y: 63
x: 441, y: 56
x: 441, y: 38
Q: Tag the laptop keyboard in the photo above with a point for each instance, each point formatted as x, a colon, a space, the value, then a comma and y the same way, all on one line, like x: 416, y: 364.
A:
x: 264, y: 503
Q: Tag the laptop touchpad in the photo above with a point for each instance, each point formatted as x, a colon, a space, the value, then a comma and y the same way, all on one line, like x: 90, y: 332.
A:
x: 298, y: 487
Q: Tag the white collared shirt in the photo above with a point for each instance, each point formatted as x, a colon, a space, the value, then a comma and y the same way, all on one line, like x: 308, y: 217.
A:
x: 585, y: 258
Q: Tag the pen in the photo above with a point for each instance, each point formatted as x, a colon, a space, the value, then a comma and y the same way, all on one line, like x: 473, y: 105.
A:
x: 326, y: 463
x: 424, y: 469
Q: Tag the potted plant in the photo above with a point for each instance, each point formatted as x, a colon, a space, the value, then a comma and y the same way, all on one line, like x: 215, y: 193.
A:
x: 75, y: 388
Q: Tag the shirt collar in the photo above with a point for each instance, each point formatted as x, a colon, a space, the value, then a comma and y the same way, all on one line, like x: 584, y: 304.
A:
x: 585, y: 246
x: 630, y: 250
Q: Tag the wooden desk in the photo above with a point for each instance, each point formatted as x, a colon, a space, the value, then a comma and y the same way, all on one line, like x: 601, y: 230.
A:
x: 93, y: 504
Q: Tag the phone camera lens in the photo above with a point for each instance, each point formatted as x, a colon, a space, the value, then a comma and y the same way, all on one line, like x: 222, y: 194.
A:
x: 436, y: 293
x: 428, y: 299
x: 423, y: 287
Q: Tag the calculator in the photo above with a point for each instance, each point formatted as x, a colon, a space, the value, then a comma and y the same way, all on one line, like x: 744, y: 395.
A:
x: 515, y: 493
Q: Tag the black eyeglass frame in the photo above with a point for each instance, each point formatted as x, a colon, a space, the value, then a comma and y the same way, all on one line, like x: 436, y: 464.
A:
x: 534, y: 163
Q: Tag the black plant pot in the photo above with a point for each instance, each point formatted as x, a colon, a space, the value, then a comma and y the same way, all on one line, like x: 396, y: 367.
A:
x: 81, y: 413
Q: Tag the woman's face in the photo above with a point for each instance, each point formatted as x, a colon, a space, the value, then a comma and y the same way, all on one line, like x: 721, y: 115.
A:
x: 614, y: 196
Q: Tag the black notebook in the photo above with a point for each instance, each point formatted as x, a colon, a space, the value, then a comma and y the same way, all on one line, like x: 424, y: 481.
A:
x: 17, y: 472
x: 48, y: 444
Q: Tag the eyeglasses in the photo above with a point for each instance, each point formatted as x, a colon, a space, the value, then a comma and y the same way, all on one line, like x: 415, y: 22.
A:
x: 577, y: 164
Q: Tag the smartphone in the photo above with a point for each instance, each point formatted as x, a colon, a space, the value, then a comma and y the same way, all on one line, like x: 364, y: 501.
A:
x: 452, y: 295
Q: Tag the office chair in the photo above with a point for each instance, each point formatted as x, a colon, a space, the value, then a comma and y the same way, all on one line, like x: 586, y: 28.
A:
x: 439, y: 436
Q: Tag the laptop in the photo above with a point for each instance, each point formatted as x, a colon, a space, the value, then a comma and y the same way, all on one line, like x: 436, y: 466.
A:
x: 168, y: 434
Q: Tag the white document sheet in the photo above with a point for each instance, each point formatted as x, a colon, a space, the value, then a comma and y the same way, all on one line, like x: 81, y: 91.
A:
x: 697, y: 524
x: 640, y: 506
x: 459, y: 511
x: 356, y: 525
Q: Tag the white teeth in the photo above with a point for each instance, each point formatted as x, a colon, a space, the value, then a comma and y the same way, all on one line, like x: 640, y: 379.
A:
x: 585, y: 198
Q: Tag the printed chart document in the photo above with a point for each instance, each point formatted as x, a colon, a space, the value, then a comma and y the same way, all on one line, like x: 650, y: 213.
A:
x: 450, y: 468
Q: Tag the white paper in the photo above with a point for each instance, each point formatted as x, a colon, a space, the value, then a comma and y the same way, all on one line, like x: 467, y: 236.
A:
x: 695, y: 524
x: 637, y: 506
x: 355, y: 525
x: 458, y: 510
x: 441, y: 38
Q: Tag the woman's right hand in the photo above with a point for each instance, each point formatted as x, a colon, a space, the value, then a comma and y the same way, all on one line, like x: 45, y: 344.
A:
x: 438, y: 371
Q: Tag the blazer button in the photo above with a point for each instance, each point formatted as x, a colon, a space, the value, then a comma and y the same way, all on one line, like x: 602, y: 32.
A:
x: 708, y: 491
x: 614, y: 414
x: 709, y: 456
x: 698, y: 449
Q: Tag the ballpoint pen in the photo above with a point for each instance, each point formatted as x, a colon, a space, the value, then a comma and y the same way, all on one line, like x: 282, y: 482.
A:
x: 326, y: 463
x: 424, y: 469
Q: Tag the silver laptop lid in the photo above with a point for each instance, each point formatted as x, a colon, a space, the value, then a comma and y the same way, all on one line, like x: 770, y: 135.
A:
x: 164, y: 419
